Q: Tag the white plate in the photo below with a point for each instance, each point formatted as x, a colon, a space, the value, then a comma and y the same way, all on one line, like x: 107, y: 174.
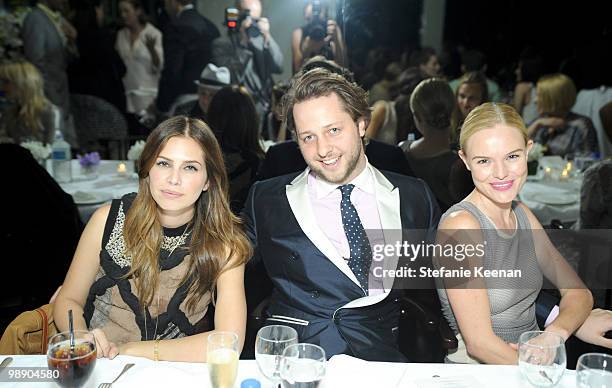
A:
x: 555, y: 198
x: 90, y: 198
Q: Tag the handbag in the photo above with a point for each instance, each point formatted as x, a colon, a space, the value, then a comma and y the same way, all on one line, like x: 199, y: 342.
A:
x: 29, y: 333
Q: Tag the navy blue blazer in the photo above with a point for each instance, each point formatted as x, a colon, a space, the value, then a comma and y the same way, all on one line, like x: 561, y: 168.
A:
x: 311, y: 290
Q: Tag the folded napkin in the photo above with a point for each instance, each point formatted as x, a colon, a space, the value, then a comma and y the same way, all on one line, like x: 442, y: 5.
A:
x: 346, y: 371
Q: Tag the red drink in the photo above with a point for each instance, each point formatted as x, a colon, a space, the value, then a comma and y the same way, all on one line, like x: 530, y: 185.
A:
x: 74, y: 366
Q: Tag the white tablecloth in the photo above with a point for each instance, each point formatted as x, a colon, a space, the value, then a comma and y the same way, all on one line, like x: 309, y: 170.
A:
x: 342, y: 371
x: 106, y: 185
x: 534, y: 194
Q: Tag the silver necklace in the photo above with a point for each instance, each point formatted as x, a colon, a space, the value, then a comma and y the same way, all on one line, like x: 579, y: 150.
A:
x: 179, y: 242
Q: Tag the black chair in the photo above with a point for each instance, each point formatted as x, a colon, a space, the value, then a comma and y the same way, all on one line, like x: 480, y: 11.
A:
x: 99, y: 126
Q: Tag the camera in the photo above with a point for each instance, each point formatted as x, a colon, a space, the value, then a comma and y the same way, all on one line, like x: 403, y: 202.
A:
x: 316, y: 29
x: 234, y: 19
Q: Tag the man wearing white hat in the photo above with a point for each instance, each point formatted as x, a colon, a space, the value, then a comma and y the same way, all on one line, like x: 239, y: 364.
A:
x: 211, y: 80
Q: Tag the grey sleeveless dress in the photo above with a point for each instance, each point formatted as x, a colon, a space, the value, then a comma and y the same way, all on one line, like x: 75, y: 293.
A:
x: 513, y: 306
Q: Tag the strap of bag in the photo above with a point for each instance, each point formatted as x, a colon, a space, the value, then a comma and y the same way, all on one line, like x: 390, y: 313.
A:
x: 45, y: 329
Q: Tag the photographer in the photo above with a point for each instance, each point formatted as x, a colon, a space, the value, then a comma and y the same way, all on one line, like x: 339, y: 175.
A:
x: 250, y: 52
x: 319, y: 36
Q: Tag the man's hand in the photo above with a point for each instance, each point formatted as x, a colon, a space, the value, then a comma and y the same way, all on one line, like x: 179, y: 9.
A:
x: 595, y: 327
x: 69, y: 30
x: 264, y: 26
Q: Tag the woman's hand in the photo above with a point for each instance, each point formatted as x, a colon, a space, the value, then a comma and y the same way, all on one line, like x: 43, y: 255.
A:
x: 150, y: 41
x: 104, y: 348
x: 595, y: 327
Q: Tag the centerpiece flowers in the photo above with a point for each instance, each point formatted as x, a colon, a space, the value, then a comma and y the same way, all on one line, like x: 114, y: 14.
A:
x: 39, y: 151
x: 89, y: 163
x: 134, y: 153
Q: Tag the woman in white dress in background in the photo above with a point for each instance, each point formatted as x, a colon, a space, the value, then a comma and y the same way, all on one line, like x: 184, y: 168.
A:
x: 139, y: 44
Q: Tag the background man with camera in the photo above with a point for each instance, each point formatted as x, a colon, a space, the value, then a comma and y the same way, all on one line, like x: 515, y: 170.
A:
x: 319, y: 36
x: 250, y: 52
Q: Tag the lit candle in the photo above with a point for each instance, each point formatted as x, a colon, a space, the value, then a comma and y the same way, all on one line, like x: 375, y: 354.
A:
x: 121, y: 169
x: 564, y: 174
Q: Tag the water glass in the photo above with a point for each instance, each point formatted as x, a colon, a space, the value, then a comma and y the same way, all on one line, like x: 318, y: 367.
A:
x: 303, y: 366
x: 222, y: 358
x: 270, y: 343
x: 594, y: 370
x: 542, y: 358
x: 71, y: 366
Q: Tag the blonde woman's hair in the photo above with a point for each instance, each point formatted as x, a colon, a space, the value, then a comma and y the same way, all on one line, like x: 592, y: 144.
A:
x: 218, y: 242
x: 487, y: 116
x: 556, y: 94
x: 27, y: 85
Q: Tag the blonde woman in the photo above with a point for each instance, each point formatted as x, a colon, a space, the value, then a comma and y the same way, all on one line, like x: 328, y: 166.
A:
x: 565, y: 133
x: 29, y: 115
x: 148, y: 265
x: 489, y: 317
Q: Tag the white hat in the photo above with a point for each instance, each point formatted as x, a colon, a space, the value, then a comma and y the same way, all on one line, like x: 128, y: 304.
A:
x: 214, y: 77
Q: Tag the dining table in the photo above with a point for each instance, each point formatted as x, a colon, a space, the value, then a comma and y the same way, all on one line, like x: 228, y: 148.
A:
x: 342, y: 371
x: 90, y: 189
x: 553, y: 199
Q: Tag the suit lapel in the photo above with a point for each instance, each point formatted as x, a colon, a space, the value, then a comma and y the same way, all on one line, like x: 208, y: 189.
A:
x: 299, y: 200
x: 388, y: 199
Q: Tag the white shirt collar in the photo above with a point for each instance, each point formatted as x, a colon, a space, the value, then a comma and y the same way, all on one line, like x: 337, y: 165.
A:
x: 185, y: 8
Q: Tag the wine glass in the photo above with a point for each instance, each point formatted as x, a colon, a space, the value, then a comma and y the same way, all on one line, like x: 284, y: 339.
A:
x: 73, y: 364
x: 302, y: 366
x: 594, y: 370
x: 222, y: 358
x: 542, y: 357
x: 270, y: 343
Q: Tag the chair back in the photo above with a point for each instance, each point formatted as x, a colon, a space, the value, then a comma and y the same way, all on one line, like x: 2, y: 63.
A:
x: 99, y: 123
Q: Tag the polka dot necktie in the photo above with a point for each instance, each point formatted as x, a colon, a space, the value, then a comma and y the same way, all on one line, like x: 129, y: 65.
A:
x: 361, y: 252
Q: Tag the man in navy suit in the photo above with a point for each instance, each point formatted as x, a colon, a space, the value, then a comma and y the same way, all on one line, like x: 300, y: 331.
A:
x: 187, y: 43
x: 308, y: 228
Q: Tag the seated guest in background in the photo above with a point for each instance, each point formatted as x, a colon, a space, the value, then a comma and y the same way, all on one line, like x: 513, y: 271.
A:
x: 528, y: 71
x: 563, y: 132
x: 489, y: 320
x: 476, y: 61
x: 433, y: 106
x: 426, y: 60
x: 471, y: 92
x: 148, y: 265
x: 29, y: 115
x: 139, y: 44
x: 596, y: 197
x: 211, y: 80
x: 233, y: 119
x: 49, y: 43
x: 300, y: 225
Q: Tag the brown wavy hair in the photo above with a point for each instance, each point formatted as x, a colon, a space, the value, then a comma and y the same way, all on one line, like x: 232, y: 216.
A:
x: 216, y: 234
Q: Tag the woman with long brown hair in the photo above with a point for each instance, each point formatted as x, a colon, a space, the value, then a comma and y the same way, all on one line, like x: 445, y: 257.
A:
x: 149, y: 264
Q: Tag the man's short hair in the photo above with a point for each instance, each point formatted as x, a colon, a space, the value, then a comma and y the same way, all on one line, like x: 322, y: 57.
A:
x: 321, y: 82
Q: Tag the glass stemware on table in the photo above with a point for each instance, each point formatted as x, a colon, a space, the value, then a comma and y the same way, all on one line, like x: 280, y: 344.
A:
x: 270, y: 344
x: 542, y: 357
x: 302, y: 366
x: 594, y: 370
x: 222, y: 358
x: 73, y: 362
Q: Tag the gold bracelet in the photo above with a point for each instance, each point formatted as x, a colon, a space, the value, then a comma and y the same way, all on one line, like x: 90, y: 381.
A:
x: 156, y: 350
